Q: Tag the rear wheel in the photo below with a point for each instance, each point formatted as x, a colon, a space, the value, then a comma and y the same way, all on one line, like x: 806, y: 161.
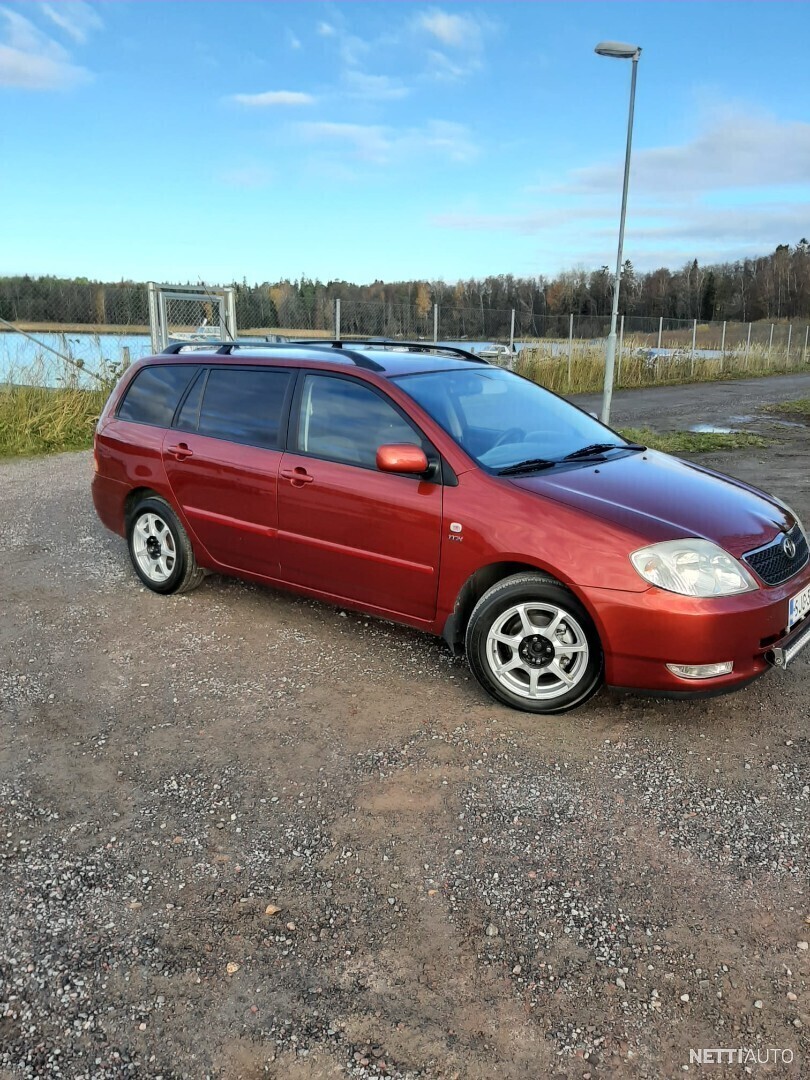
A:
x: 532, y: 645
x: 160, y: 549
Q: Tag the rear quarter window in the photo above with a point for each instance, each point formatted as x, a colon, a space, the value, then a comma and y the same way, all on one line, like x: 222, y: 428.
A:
x: 154, y: 394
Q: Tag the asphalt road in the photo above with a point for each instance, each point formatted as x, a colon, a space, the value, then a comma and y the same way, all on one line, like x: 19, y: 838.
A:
x: 674, y: 408
x: 244, y: 835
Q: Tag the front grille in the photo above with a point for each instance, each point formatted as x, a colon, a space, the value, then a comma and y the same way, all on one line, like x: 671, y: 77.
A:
x: 772, y: 564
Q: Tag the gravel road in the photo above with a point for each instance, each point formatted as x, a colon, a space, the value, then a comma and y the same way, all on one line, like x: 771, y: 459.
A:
x: 244, y: 835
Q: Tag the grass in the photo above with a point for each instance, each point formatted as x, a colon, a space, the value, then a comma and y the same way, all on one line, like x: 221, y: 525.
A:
x: 36, y: 419
x: 635, y: 369
x: 40, y: 420
x: 799, y: 407
x: 692, y: 442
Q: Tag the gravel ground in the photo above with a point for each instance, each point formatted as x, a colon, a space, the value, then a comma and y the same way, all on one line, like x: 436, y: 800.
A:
x: 245, y: 835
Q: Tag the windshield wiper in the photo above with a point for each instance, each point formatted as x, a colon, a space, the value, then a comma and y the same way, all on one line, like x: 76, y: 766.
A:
x: 529, y: 465
x: 600, y: 448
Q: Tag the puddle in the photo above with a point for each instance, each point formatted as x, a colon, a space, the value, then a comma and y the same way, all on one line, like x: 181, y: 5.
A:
x: 713, y: 429
x: 785, y: 423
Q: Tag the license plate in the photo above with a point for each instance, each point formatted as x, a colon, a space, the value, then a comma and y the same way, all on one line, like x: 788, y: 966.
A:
x: 798, y: 606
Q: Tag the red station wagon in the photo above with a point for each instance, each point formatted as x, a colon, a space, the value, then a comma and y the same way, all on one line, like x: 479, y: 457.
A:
x: 418, y: 483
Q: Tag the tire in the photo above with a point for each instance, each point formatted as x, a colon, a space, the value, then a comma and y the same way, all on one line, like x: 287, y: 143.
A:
x: 160, y: 548
x: 517, y: 662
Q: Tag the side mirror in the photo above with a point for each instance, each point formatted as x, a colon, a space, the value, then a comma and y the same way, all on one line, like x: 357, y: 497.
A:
x: 402, y: 458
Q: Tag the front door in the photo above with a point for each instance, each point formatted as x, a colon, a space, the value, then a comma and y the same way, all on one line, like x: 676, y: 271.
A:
x: 345, y: 528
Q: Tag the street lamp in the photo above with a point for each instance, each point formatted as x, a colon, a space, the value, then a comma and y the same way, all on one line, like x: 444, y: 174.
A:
x: 621, y: 52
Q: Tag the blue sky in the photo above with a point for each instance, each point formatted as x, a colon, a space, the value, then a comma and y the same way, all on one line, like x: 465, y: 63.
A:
x: 214, y: 141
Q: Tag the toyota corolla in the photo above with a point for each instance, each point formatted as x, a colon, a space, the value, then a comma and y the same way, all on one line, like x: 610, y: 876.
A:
x: 420, y: 484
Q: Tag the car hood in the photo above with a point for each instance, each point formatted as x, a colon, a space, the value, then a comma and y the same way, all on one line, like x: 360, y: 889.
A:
x: 659, y: 497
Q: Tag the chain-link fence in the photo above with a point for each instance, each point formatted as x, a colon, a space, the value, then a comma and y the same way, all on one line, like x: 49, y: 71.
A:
x: 54, y: 331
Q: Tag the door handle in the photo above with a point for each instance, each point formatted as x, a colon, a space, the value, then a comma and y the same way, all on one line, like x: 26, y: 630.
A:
x: 297, y: 476
x: 181, y: 451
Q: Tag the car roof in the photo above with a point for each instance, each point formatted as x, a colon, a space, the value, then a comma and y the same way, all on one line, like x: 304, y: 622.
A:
x: 386, y: 358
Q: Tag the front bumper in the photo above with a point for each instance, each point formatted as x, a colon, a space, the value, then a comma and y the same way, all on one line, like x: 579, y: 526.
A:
x: 643, y: 632
x: 790, y: 647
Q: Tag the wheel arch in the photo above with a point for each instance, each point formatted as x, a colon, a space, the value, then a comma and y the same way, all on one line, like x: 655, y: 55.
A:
x: 134, y: 497
x: 476, y: 585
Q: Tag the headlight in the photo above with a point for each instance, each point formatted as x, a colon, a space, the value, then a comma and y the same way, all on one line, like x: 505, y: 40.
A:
x: 692, y: 567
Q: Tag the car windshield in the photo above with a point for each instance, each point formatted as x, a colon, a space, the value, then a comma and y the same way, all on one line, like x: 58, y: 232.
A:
x: 503, y: 420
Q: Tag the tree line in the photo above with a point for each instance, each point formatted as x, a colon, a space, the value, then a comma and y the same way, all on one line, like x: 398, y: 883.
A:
x: 772, y: 287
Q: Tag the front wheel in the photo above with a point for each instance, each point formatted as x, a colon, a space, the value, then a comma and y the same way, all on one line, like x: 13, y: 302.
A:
x: 160, y: 549
x: 532, y: 645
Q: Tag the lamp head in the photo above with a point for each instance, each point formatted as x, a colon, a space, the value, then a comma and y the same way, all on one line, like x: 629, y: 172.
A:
x: 619, y: 50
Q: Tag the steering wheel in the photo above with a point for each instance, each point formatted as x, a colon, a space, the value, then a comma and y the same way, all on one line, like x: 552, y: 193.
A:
x: 512, y: 434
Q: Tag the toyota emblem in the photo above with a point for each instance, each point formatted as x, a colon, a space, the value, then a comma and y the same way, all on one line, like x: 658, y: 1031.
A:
x: 788, y: 547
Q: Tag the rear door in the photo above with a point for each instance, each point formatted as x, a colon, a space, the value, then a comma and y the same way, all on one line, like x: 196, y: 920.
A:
x: 222, y: 459
x: 345, y: 528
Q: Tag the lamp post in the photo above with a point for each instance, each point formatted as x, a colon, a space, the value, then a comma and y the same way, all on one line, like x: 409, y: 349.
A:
x: 619, y: 51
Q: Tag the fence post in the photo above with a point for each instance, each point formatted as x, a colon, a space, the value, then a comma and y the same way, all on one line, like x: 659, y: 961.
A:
x: 804, y: 354
x: 787, y: 350
x: 512, y: 334
x: 435, y: 323
x: 748, y: 343
x: 660, y: 330
x: 337, y: 319
x: 694, y: 336
x: 126, y: 359
x: 621, y: 346
x: 155, y: 330
x: 770, y: 345
x: 723, y: 348
x: 570, y: 347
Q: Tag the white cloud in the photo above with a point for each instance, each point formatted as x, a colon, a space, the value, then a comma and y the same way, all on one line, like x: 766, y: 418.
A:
x: 657, y: 235
x: 736, y: 189
x: 442, y: 67
x: 31, y: 60
x: 352, y: 49
x: 535, y: 222
x: 77, y: 19
x: 377, y: 144
x: 374, y: 87
x: 368, y: 142
x: 293, y: 41
x: 274, y: 97
x: 456, y: 42
x: 736, y: 149
x: 455, y: 31
x: 453, y: 141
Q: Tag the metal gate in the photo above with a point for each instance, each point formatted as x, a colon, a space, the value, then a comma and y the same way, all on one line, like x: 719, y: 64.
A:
x: 190, y: 313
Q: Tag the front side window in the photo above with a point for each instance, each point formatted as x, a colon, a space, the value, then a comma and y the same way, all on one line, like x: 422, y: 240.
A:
x: 154, y: 393
x: 500, y: 418
x: 341, y: 420
x: 244, y: 405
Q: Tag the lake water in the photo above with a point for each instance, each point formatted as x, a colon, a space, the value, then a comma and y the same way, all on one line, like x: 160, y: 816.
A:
x: 25, y: 360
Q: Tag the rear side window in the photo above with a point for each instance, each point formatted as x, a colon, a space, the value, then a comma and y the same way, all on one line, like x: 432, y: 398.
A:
x: 154, y: 393
x: 244, y: 405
